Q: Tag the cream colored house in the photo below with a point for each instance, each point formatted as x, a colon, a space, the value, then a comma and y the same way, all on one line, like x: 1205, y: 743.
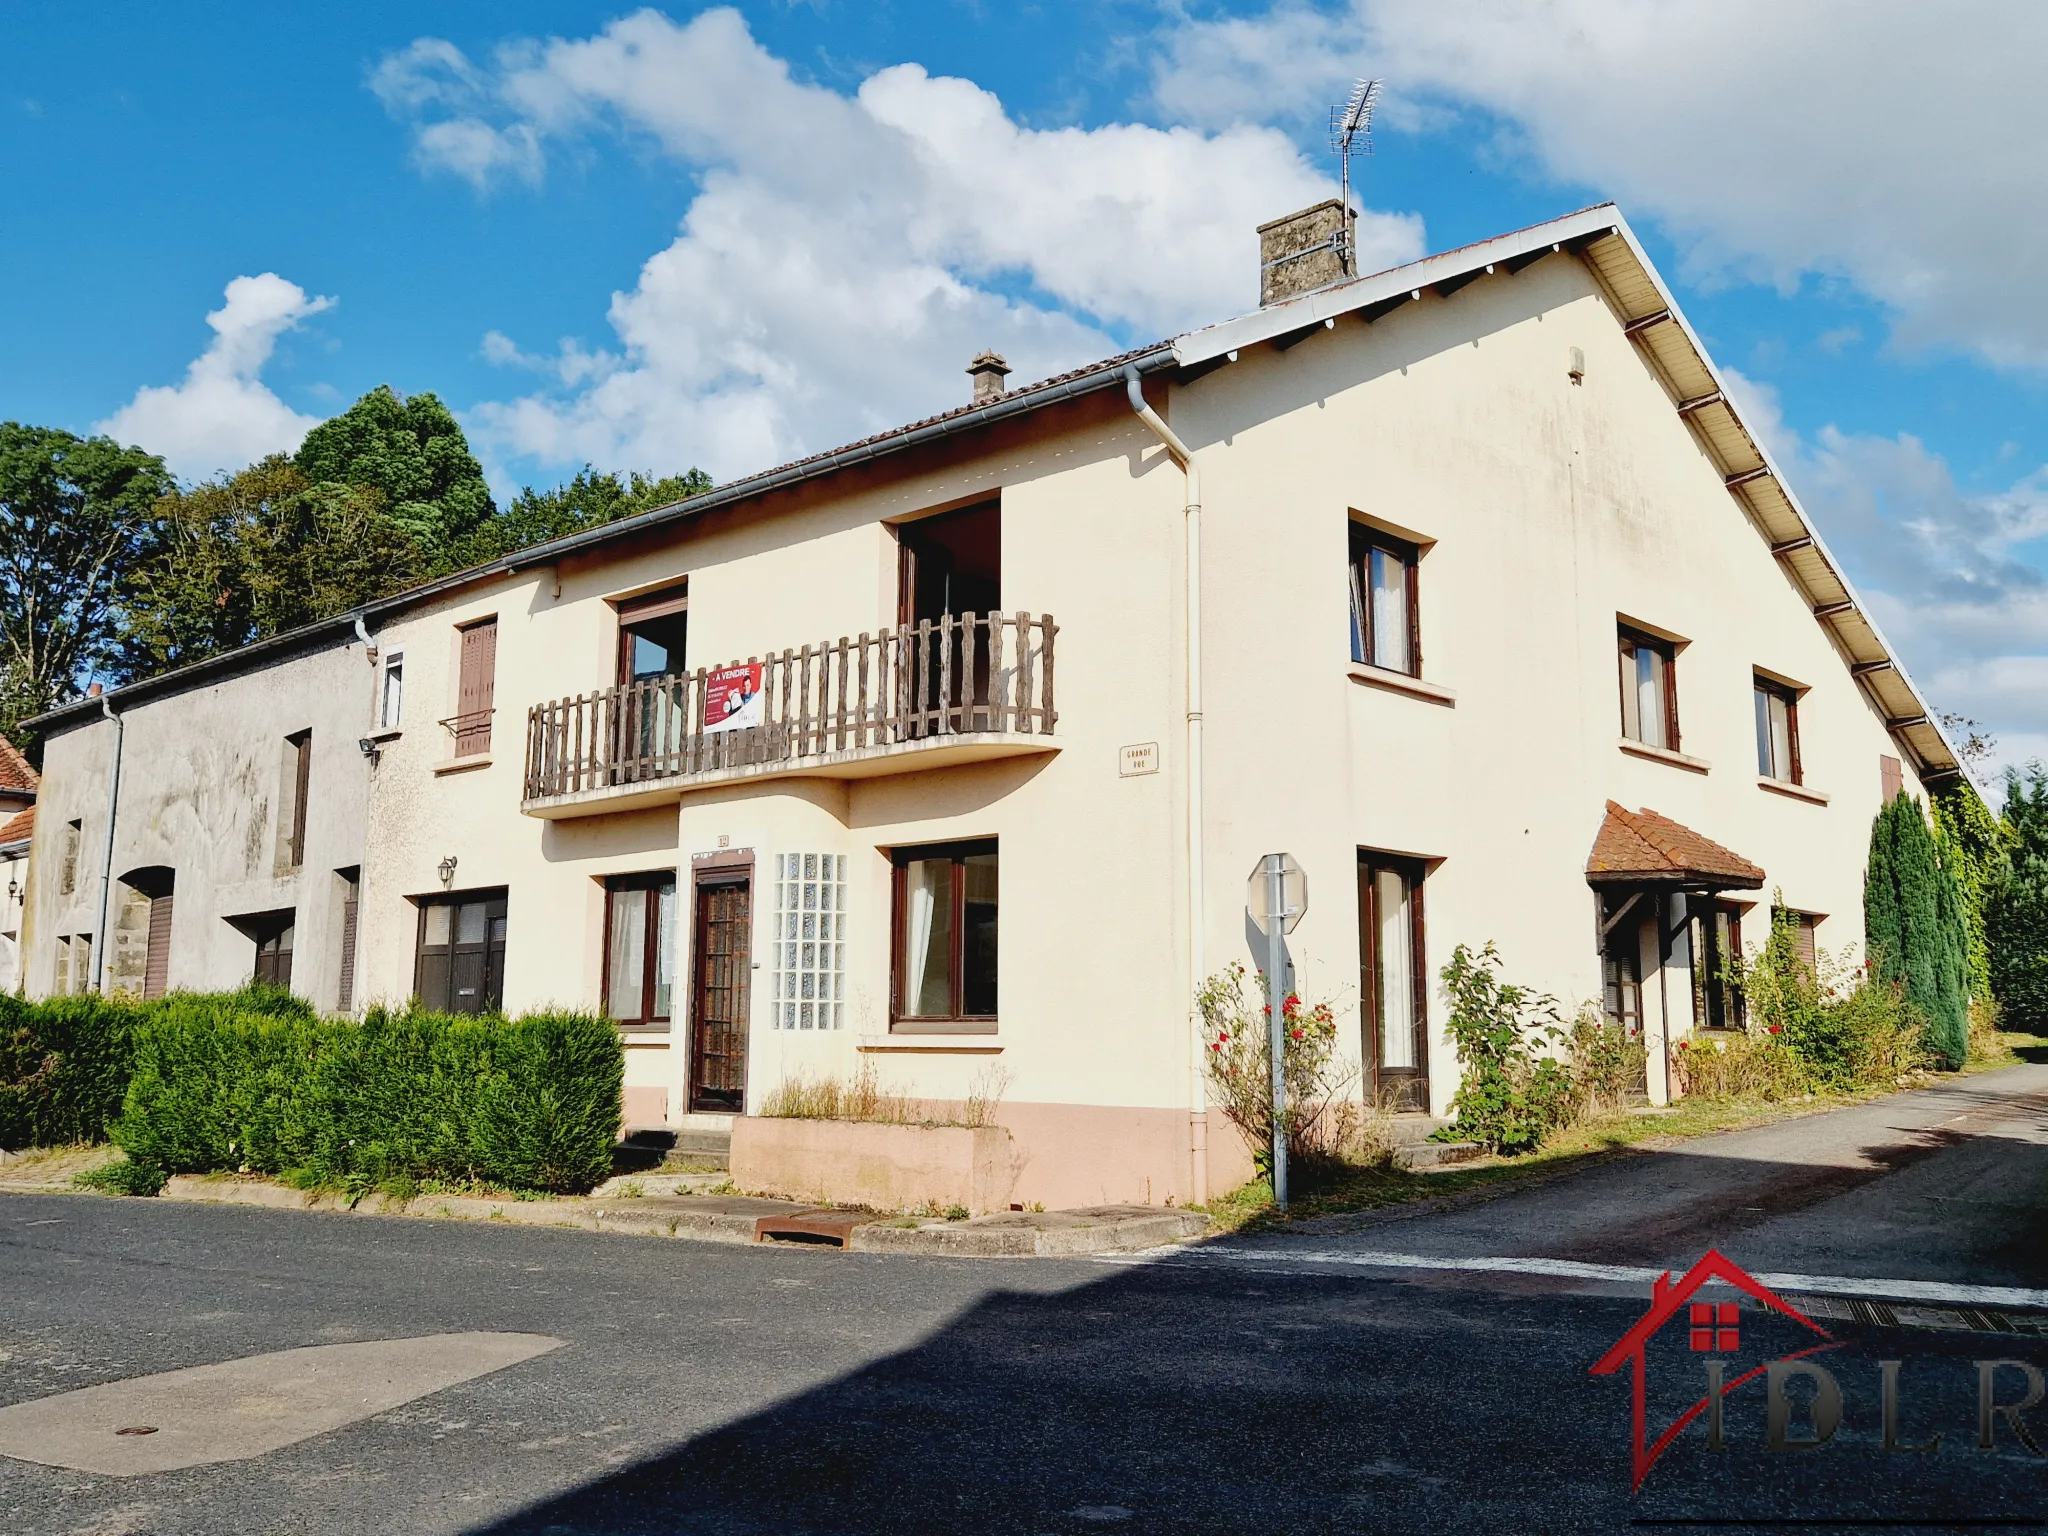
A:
x: 951, y: 751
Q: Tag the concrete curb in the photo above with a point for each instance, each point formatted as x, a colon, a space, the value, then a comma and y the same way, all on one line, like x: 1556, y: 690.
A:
x: 733, y: 1219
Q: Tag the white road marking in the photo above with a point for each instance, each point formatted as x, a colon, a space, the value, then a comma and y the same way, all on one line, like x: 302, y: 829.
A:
x: 1571, y: 1269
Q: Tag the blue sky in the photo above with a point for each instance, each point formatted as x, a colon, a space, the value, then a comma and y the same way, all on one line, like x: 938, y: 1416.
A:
x: 583, y: 227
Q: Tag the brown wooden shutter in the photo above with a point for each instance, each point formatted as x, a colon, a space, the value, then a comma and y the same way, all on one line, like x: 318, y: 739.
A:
x: 1891, y: 776
x: 302, y: 769
x: 347, y: 1001
x: 156, y: 964
x: 479, y: 683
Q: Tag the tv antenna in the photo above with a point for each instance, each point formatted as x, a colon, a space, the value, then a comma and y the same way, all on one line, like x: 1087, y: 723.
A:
x: 1351, y: 133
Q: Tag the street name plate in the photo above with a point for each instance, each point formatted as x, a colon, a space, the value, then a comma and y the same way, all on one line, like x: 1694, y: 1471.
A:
x: 1134, y: 760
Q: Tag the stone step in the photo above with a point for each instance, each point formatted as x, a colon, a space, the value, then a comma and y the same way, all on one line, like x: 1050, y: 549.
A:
x: 1405, y: 1130
x: 1418, y: 1155
x: 645, y: 1149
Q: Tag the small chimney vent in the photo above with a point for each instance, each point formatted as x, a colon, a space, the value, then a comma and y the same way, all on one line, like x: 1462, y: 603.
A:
x: 988, y: 370
x: 1302, y: 252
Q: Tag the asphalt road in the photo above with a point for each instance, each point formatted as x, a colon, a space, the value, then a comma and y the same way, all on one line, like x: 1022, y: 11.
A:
x: 726, y: 1389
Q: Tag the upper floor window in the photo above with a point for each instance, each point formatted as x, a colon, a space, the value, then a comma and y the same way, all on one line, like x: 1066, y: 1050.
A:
x: 67, y: 876
x: 1777, y: 731
x: 1384, y: 631
x: 1649, y: 690
x: 296, y: 787
x: 391, y: 692
x: 952, y: 563
x: 653, y: 634
x: 477, y: 685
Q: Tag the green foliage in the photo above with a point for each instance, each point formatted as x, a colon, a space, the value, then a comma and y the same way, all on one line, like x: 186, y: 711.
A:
x: 2016, y: 907
x: 1237, y: 1032
x: 1820, y: 1028
x: 64, y: 1067
x: 589, y: 500
x: 251, y: 555
x: 76, y: 516
x: 124, y: 1177
x: 412, y: 452
x: 246, y: 1081
x: 1974, y: 847
x: 1915, y: 930
x: 1512, y: 1092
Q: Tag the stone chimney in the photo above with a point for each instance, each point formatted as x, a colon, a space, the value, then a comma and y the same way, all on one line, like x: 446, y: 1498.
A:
x: 988, y: 371
x: 1301, y: 252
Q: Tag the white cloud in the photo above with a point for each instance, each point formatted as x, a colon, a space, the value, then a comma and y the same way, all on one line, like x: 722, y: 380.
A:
x: 844, y: 256
x: 223, y: 416
x: 1944, y: 571
x: 1891, y: 142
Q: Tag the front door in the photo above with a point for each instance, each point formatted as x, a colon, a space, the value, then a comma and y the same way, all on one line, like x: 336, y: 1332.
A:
x: 1394, y: 985
x: 721, y: 967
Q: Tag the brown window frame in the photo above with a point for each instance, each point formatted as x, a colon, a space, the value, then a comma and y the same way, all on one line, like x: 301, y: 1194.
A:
x: 471, y: 727
x: 1771, y: 688
x: 1628, y: 641
x: 301, y: 743
x: 1711, y: 989
x: 956, y: 1022
x: 667, y: 603
x: 652, y: 881
x: 1364, y: 540
x: 269, y: 932
x: 1410, y: 1085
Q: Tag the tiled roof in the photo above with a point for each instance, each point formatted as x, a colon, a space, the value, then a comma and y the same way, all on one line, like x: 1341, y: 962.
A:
x: 15, y: 772
x: 18, y: 828
x: 1643, y: 846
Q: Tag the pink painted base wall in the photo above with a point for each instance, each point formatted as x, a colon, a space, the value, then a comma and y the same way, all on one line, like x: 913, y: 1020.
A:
x: 1060, y: 1156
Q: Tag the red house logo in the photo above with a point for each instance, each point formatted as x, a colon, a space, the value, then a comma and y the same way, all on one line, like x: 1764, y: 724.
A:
x: 1714, y: 1328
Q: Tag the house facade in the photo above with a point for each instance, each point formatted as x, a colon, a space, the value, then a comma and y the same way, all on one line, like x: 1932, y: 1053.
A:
x: 948, y: 754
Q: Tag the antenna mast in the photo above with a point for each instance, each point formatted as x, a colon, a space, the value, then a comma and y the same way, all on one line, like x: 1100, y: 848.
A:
x: 1351, y: 130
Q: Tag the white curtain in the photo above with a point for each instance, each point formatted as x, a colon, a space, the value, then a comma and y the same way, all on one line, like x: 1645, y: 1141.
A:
x: 1389, y: 612
x: 665, y: 953
x: 629, y: 953
x: 928, y: 882
x: 1397, y: 974
x: 1650, y: 696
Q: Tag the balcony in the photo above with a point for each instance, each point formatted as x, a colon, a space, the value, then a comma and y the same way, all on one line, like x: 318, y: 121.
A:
x: 958, y: 689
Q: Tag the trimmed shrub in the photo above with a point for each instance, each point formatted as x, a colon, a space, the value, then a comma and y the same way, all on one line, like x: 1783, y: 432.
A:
x: 1511, y: 1091
x: 407, y: 1095
x: 64, y: 1067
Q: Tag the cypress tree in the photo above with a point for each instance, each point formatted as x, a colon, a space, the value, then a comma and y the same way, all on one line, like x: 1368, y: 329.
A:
x: 1914, y: 930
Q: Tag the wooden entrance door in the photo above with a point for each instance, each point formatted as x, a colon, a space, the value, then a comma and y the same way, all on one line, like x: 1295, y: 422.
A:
x: 1393, y: 981
x: 721, y: 968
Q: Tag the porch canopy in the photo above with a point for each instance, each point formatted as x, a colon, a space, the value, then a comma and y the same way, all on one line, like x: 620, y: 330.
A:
x: 1640, y: 848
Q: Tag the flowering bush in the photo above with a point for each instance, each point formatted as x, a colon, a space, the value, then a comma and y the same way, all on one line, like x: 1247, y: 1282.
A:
x: 1239, y: 1056
x: 1512, y: 1092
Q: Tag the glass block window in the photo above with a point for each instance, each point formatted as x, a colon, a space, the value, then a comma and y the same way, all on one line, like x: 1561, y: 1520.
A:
x: 810, y: 940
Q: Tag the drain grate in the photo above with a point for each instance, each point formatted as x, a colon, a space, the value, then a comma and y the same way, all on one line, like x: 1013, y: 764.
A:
x: 1881, y: 1314
x: 822, y: 1228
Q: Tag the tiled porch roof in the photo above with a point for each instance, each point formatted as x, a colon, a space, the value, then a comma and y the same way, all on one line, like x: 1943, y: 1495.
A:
x: 1641, y: 847
x: 15, y: 773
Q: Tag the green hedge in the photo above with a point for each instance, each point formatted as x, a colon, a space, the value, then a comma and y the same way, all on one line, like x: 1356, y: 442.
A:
x: 531, y: 1102
x: 64, y: 1068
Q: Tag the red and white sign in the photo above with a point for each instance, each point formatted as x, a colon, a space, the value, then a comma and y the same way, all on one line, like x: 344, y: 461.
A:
x: 732, y: 697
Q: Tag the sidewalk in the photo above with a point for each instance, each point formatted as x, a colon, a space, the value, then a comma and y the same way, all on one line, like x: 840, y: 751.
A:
x: 671, y: 1207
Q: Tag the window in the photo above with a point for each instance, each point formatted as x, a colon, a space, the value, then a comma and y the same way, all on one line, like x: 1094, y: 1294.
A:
x: 351, y: 897
x: 952, y: 563
x: 639, y: 948
x: 1649, y: 693
x: 81, y: 964
x: 654, y: 635
x: 1716, y: 928
x: 1803, y: 926
x: 67, y: 880
x: 391, y: 692
x: 274, y: 937
x: 60, y: 984
x: 1393, y: 979
x: 479, y: 677
x: 810, y: 941
x: 1383, y: 618
x: 945, y: 943
x: 459, y: 965
x: 1777, y: 731
x: 298, y: 778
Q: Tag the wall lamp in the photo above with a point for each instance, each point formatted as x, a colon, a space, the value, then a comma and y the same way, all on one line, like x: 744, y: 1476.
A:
x: 447, y: 870
x: 368, y: 748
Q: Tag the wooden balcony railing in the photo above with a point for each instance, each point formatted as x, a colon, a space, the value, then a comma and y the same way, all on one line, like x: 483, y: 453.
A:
x: 957, y: 675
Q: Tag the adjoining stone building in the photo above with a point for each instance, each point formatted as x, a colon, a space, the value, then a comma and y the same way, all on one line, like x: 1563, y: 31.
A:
x: 949, y: 752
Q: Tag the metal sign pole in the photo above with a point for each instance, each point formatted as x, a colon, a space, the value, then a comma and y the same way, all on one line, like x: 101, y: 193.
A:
x: 1276, y: 1009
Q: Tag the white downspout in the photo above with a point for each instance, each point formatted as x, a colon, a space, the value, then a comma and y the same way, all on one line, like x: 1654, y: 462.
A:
x: 1198, y: 1097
